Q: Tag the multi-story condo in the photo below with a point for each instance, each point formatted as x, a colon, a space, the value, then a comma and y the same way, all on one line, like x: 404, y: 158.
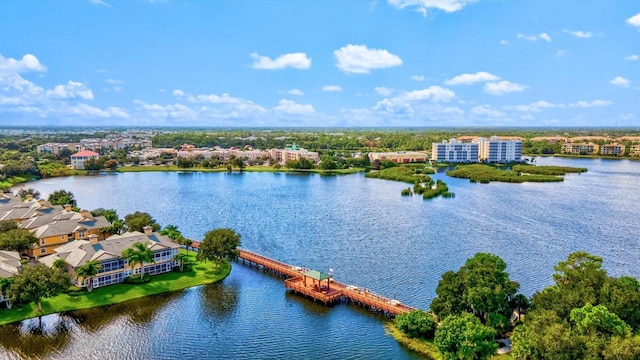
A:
x: 293, y: 153
x: 454, y: 151
x: 400, y: 157
x: 78, y: 159
x: 612, y: 149
x: 634, y: 150
x: 114, y: 269
x: 494, y: 150
x: 580, y: 149
x: 55, y: 148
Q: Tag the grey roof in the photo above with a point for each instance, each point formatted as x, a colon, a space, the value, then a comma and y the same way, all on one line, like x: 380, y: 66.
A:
x: 9, y: 263
x: 75, y: 223
x: 19, y: 210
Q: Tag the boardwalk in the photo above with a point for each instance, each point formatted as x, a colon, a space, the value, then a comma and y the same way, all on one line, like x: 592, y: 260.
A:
x: 333, y: 292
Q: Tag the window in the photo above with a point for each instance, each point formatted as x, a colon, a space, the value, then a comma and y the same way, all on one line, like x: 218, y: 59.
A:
x: 43, y: 251
x: 41, y: 241
x: 61, y: 237
x: 81, y: 234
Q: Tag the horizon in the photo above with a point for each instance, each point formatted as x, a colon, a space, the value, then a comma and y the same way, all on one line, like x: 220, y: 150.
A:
x: 392, y: 64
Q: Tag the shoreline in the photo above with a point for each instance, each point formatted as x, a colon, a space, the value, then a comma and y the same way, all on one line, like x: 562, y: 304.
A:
x: 200, y: 273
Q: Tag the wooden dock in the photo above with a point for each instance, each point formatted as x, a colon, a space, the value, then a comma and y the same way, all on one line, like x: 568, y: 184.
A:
x: 332, y: 292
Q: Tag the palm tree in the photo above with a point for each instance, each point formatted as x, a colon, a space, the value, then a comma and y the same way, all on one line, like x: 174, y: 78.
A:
x: 138, y: 254
x: 88, y: 271
x: 520, y: 303
x: 187, y: 244
x: 181, y: 259
x: 59, y: 264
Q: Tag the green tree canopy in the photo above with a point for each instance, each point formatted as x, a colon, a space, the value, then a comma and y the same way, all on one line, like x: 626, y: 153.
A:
x: 417, y: 323
x: 219, y: 244
x: 23, y: 193
x: 6, y: 225
x: 464, y: 337
x: 62, y: 197
x: 138, y: 220
x: 88, y: 271
x: 19, y: 240
x: 138, y: 254
x: 591, y: 319
x: 37, y: 282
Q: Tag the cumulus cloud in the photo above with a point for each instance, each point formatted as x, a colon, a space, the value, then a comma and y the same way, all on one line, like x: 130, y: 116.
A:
x: 178, y: 93
x: 291, y: 107
x: 297, y: 60
x: 579, y: 34
x: 332, y: 88
x: 169, y: 111
x: 561, y: 53
x: 620, y: 81
x: 504, y: 42
x: 384, y: 91
x: 418, y: 78
x: 403, y: 102
x: 634, y: 20
x: 543, y: 36
x: 27, y: 63
x: 588, y: 104
x: 296, y: 92
x: 468, y: 79
x: 424, y: 6
x: 358, y: 59
x: 502, y: 87
x: 632, y: 57
x: 487, y: 110
x: 88, y: 111
x: 100, y: 2
x: 71, y: 90
x: 113, y: 81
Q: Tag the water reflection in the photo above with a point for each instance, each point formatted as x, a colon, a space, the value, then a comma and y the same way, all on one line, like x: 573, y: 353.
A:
x: 37, y: 337
x: 219, y: 300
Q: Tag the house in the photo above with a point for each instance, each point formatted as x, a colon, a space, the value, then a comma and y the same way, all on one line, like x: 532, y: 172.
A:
x: 634, y: 150
x: 13, y: 208
x: 107, y: 252
x: 61, y: 228
x: 580, y: 149
x: 399, y: 157
x: 612, y: 149
x: 78, y: 159
x: 9, y: 264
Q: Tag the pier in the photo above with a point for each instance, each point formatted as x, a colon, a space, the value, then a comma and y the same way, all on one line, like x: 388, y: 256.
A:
x: 323, y: 288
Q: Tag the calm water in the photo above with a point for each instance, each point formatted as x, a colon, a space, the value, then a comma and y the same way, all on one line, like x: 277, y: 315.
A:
x: 362, y: 228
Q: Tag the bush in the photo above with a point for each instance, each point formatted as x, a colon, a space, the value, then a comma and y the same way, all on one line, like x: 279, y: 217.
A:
x: 417, y: 323
x: 137, y: 280
x: 406, y: 192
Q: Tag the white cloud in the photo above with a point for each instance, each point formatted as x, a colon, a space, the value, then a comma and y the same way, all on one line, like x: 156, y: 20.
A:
x: 88, y: 111
x: 502, y: 87
x: 384, y: 91
x: 543, y: 36
x: 170, y: 111
x: 178, y: 93
x: 504, y: 42
x: 293, y: 60
x: 291, y: 107
x: 632, y: 57
x: 27, y: 63
x: 403, y: 102
x: 561, y: 53
x: 71, y: 90
x: 358, y: 59
x: 113, y: 81
x: 332, y: 88
x: 578, y: 33
x: 418, y: 78
x: 214, y: 99
x: 100, y: 2
x: 296, y: 92
x: 634, y: 20
x: 487, y: 110
x: 620, y: 81
x: 423, y: 6
x: 588, y: 104
x: 468, y: 79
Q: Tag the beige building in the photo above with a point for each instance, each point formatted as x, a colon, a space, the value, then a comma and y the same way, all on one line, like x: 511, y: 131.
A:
x: 78, y: 159
x: 634, y: 150
x: 400, y: 157
x: 293, y: 153
x: 612, y: 149
x: 577, y: 149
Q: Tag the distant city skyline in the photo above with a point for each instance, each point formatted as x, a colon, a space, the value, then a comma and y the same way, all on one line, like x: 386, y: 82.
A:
x: 394, y: 63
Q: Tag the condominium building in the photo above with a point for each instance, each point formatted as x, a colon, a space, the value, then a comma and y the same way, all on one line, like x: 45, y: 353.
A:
x: 634, y: 150
x: 293, y: 153
x: 612, y: 149
x: 580, y: 149
x: 78, y: 159
x: 454, y: 151
x: 494, y: 150
x: 400, y: 157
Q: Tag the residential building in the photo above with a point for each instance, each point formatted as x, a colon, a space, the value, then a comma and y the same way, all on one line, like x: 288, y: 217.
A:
x: 9, y: 264
x: 55, y: 148
x: 78, y: 159
x: 580, y: 149
x: 551, y: 139
x: 13, y: 208
x: 400, y: 157
x: 454, y: 151
x: 108, y: 253
x: 293, y: 153
x: 634, y: 150
x: 496, y: 150
x: 612, y: 149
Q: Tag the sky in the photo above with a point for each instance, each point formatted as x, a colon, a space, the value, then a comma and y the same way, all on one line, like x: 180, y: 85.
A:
x: 329, y: 63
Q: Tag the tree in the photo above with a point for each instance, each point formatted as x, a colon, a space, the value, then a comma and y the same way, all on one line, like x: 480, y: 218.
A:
x: 219, y: 244
x: 23, y: 193
x: 520, y: 303
x: 19, y: 240
x: 59, y: 264
x: 62, y: 197
x: 138, y: 220
x: 464, y: 337
x: 416, y: 324
x: 598, y: 319
x: 622, y: 297
x: 88, y: 271
x: 239, y: 163
x: 5, y: 286
x: 37, y: 282
x: 6, y: 225
x: 328, y: 163
x: 182, y: 259
x: 138, y: 254
x: 110, y: 214
x: 172, y: 232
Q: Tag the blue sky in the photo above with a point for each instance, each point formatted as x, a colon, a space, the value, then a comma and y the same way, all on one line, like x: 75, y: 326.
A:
x: 320, y: 63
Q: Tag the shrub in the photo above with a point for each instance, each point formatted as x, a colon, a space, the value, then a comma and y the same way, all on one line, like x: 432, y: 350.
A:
x: 417, y: 324
x: 137, y: 280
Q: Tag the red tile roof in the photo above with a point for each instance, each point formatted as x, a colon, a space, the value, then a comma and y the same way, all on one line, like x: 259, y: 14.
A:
x: 86, y: 153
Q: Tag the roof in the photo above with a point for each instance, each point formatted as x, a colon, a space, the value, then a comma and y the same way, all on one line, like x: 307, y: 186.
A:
x: 85, y: 153
x: 9, y: 263
x: 317, y: 275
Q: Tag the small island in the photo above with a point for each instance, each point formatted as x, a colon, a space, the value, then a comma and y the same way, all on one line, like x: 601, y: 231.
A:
x: 423, y: 184
x: 484, y: 174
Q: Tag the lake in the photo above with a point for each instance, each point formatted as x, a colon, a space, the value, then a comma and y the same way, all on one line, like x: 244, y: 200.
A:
x: 362, y: 228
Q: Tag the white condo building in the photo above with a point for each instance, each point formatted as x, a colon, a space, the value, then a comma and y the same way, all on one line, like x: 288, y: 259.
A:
x: 495, y: 150
x: 454, y: 151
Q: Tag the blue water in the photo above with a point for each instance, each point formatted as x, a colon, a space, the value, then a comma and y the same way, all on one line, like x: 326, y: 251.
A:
x: 363, y: 229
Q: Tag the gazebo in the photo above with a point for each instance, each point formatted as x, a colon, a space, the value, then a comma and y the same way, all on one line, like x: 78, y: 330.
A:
x: 318, y: 276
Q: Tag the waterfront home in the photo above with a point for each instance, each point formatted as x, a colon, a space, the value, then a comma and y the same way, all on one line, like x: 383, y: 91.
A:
x: 114, y: 269
x: 580, y: 149
x: 12, y: 208
x: 612, y: 149
x: 455, y: 151
x: 634, y: 150
x: 61, y: 227
x: 293, y: 153
x: 78, y: 159
x: 399, y: 157
x: 499, y: 150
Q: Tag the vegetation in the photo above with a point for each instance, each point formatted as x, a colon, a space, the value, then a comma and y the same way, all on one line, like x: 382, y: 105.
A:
x: 88, y: 271
x: 199, y: 274
x: 400, y: 173
x: 138, y: 220
x: 417, y: 323
x: 465, y: 337
x: 138, y: 253
x: 440, y: 189
x: 219, y: 245
x: 36, y: 282
x: 547, y: 170
x: 14, y: 239
x: 485, y: 174
x: 62, y: 197
x: 24, y: 193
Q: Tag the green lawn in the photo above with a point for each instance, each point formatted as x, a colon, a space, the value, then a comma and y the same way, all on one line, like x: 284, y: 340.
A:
x: 7, y: 183
x: 200, y: 273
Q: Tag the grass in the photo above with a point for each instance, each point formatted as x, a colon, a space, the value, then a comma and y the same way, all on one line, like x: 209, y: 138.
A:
x: 399, y: 173
x: 547, y: 170
x: 200, y: 274
x: 7, y: 183
x: 485, y: 174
